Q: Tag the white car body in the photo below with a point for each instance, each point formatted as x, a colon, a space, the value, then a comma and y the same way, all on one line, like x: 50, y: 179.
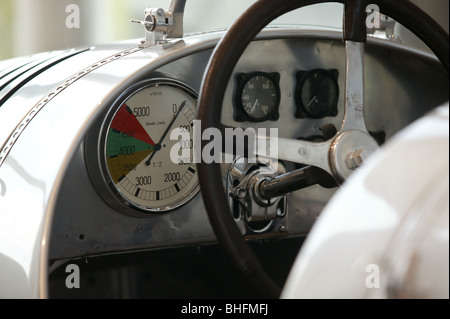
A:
x: 393, y: 248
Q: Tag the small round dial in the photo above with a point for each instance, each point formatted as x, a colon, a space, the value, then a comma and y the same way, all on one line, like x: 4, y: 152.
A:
x: 317, y: 93
x: 258, y: 97
x: 143, y: 157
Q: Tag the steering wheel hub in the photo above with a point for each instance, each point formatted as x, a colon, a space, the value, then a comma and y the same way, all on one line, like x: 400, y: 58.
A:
x: 349, y: 150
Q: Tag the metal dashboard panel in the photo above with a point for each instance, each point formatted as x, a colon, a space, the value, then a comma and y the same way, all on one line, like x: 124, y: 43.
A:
x: 84, y: 224
x: 63, y: 217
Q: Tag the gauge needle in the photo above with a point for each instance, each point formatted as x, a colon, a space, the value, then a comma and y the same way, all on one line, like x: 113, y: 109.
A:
x: 254, y: 105
x: 158, y: 145
x: 309, y: 103
x: 314, y: 96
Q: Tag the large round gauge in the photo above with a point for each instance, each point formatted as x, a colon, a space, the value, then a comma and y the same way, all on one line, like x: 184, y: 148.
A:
x: 257, y: 97
x: 148, y: 146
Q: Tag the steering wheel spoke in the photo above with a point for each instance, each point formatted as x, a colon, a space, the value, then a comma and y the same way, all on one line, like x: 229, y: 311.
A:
x: 285, y: 149
x: 354, y: 88
x: 297, y: 151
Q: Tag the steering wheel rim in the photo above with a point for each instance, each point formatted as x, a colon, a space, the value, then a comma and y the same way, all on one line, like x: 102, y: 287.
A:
x: 215, y: 80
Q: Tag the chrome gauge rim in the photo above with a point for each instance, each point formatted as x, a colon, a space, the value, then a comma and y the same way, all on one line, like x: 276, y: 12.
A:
x: 135, y: 150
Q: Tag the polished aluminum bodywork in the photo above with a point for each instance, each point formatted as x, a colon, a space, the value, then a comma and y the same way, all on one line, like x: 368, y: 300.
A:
x: 49, y: 209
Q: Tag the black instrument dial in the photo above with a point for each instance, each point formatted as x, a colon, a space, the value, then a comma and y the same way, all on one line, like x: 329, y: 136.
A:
x: 317, y: 93
x: 257, y: 97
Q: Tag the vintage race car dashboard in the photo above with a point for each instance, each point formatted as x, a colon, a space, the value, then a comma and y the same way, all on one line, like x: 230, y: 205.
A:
x: 121, y: 190
x: 91, y: 133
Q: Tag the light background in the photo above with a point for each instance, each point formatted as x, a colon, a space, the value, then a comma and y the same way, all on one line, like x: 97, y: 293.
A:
x: 31, y: 26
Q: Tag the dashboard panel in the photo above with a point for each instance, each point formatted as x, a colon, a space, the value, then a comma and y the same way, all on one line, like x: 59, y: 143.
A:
x: 95, y: 214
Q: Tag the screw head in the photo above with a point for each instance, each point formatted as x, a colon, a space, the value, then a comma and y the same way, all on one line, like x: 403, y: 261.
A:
x: 302, y: 151
x: 354, y: 160
x: 239, y: 192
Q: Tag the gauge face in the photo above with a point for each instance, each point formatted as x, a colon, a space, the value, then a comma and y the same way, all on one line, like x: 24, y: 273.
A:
x: 317, y: 93
x: 257, y: 97
x: 140, y: 147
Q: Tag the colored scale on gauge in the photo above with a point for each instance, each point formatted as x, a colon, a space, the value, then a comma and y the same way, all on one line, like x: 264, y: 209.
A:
x: 127, y: 144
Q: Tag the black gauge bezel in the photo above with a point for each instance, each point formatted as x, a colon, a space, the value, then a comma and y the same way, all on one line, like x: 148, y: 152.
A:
x: 302, y: 110
x: 240, y: 114
x: 101, y: 176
